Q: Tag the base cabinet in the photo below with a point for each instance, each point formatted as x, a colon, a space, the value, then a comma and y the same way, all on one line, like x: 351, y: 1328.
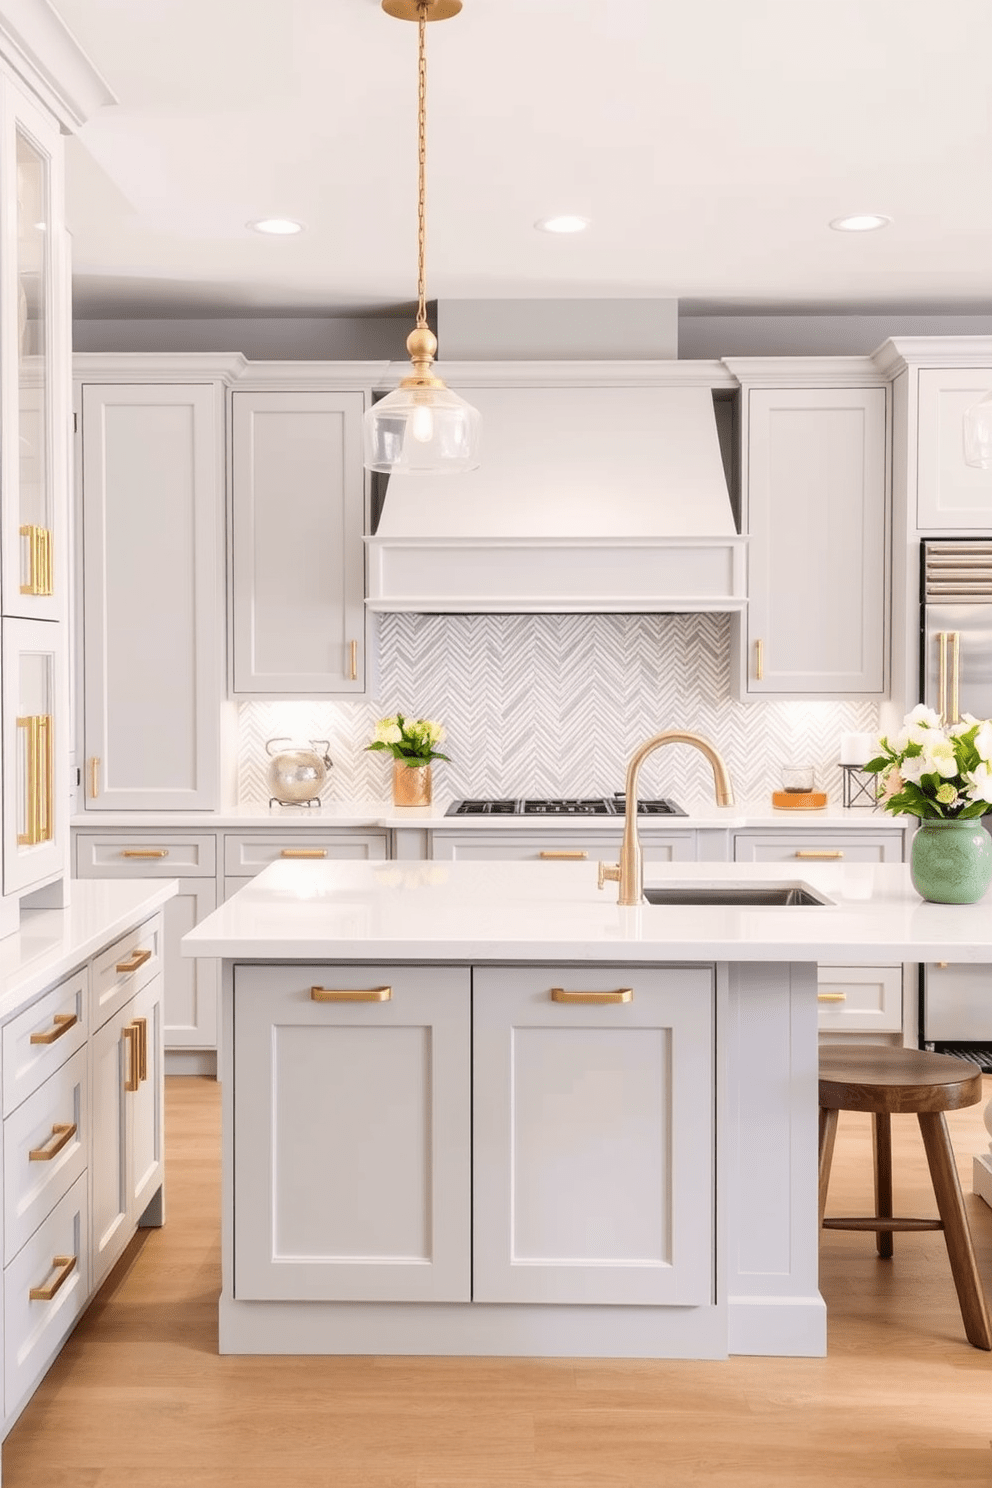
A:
x: 593, y: 1135
x: 426, y: 1134
x: 352, y: 1173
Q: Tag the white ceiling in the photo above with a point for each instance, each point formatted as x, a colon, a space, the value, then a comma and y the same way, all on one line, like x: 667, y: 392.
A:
x: 710, y: 142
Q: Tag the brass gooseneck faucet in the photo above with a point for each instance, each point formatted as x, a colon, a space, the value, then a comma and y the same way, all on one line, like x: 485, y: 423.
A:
x: 629, y: 872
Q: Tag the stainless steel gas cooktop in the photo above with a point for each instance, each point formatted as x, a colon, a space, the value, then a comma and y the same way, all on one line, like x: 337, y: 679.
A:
x: 563, y: 806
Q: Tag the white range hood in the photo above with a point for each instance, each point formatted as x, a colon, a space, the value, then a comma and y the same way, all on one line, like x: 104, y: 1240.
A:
x: 596, y: 498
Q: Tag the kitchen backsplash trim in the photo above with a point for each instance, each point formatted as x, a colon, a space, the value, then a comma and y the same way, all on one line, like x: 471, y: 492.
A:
x: 553, y: 705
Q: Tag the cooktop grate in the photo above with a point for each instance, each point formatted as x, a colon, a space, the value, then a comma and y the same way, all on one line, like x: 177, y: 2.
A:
x: 980, y: 1054
x: 561, y: 806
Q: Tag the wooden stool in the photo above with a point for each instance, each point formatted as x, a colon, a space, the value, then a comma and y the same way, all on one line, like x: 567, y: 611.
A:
x: 882, y: 1079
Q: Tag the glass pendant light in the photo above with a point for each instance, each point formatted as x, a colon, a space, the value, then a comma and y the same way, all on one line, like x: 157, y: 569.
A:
x: 978, y: 433
x: 422, y: 424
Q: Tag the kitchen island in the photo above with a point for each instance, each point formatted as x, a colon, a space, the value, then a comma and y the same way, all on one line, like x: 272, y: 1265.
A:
x: 470, y: 1109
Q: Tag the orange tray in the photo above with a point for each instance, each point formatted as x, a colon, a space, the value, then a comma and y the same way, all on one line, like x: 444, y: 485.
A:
x: 799, y: 800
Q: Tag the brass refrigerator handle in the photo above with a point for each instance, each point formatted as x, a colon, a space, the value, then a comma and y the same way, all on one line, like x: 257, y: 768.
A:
x: 622, y: 994
x: 942, y: 674
x: 955, y: 639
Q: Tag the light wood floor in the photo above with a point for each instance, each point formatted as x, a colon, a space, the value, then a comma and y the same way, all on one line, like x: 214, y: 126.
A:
x: 139, y: 1397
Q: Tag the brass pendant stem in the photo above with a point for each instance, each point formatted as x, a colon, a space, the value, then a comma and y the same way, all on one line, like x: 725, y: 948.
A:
x: 422, y: 167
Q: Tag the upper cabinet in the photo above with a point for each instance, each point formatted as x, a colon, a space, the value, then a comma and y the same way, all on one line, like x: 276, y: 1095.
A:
x: 950, y: 495
x: 151, y: 459
x: 298, y: 504
x: 815, y: 500
x: 34, y: 360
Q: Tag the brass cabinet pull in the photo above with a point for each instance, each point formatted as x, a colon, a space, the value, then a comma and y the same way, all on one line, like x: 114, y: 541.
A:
x: 131, y: 1078
x: 570, y: 856
x: 364, y: 994
x: 831, y: 996
x: 303, y: 852
x: 62, y: 1132
x: 37, y: 732
x: 94, y: 777
x: 66, y: 1265
x: 353, y: 661
x: 141, y: 1024
x: 759, y: 661
x: 804, y: 853
x: 144, y: 852
x: 941, y: 964
x: 62, y: 1023
x: 136, y: 959
x: 39, y: 560
x: 622, y: 994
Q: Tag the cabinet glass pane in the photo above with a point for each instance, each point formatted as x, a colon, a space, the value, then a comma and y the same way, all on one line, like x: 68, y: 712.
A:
x: 34, y: 372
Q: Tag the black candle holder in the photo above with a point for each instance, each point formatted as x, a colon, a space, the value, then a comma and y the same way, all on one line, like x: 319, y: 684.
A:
x: 859, y: 786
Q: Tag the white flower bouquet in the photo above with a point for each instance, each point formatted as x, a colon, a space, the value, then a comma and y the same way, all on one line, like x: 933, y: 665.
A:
x: 936, y: 772
x: 411, y: 740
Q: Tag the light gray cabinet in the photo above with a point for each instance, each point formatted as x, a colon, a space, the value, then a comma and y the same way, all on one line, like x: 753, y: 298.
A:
x: 298, y: 491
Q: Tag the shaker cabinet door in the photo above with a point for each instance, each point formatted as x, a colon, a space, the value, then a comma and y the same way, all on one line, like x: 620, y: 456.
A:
x: 299, y: 561
x: 816, y: 553
x: 153, y: 596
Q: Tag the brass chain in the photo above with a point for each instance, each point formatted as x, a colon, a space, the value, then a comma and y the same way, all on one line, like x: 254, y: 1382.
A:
x: 422, y: 167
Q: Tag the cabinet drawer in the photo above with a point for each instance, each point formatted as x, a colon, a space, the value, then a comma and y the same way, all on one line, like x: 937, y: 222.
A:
x: 44, y: 1150
x: 124, y: 968
x: 145, y: 855
x: 856, y: 999
x: 549, y: 846
x: 244, y: 856
x: 35, y: 1327
x: 817, y: 847
x: 43, y: 1037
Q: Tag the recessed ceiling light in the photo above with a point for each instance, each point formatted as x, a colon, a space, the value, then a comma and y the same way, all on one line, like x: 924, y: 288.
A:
x: 277, y: 226
x: 563, y: 224
x: 860, y: 222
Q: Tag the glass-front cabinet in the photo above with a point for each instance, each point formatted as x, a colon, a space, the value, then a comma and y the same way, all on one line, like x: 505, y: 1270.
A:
x: 34, y: 354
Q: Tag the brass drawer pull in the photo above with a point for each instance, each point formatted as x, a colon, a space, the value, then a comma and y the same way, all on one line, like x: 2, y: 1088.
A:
x: 62, y: 1132
x: 144, y: 852
x: 303, y: 852
x: 575, y: 857
x: 136, y: 959
x: 62, y: 1021
x: 831, y: 996
x: 366, y: 994
x: 141, y: 1024
x: 836, y: 853
x: 131, y: 1077
x: 622, y: 994
x: 66, y: 1265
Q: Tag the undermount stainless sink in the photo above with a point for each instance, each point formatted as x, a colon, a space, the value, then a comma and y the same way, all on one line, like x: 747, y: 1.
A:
x: 740, y: 894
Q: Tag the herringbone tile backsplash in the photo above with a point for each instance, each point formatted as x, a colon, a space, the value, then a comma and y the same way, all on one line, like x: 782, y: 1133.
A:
x: 553, y: 705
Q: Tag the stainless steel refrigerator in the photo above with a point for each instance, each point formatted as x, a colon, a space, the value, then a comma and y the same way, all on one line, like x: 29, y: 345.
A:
x: 956, y: 675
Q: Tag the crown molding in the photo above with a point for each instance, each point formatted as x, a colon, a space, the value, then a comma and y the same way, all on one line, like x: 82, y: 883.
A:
x: 901, y: 353
x: 42, y: 52
x: 805, y: 371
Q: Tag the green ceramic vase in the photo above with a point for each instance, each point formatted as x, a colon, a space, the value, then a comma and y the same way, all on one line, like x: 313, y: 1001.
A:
x: 950, y: 862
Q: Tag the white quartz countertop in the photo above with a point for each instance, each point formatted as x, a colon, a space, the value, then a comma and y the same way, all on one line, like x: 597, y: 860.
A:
x: 700, y: 814
x: 488, y: 911
x: 52, y: 942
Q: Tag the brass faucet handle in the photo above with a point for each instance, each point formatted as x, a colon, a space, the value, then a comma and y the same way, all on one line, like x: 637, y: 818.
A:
x: 606, y: 871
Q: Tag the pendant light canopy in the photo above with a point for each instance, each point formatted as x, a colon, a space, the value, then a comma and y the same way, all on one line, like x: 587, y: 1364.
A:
x: 978, y: 433
x: 422, y: 425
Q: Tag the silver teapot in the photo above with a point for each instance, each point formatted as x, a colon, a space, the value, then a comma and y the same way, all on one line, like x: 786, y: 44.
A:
x: 297, y: 774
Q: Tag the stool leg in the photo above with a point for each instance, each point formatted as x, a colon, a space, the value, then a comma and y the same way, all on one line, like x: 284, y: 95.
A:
x: 828, y: 1131
x: 950, y: 1205
x: 882, y: 1144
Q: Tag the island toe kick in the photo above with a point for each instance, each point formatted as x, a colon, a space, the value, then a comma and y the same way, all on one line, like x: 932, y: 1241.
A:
x: 520, y: 1159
